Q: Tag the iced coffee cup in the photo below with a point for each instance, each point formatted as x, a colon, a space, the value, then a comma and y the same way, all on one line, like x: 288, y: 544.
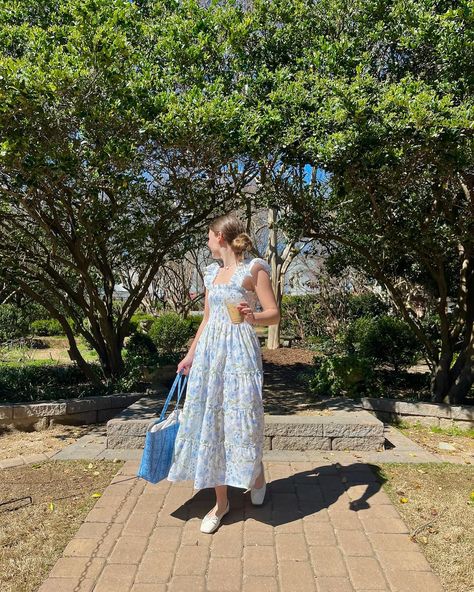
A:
x: 234, y: 313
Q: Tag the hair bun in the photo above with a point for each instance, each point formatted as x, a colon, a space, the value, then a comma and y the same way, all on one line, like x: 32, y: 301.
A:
x: 241, y: 243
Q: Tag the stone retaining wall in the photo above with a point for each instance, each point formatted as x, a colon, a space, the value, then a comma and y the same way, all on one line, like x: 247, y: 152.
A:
x: 432, y: 414
x: 66, y: 411
x: 355, y: 430
x: 341, y: 430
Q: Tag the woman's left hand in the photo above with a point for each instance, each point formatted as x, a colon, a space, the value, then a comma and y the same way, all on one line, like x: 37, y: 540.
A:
x: 247, y: 312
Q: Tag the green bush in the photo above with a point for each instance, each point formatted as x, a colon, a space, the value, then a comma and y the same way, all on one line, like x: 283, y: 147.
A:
x: 27, y: 382
x: 14, y: 322
x: 195, y: 321
x: 366, y: 305
x: 46, y: 327
x: 140, y: 345
x: 170, y: 333
x: 385, y: 340
x: 141, y: 320
x: 348, y: 375
x: 302, y: 316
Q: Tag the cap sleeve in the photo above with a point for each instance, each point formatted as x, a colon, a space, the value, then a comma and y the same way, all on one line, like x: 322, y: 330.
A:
x: 210, y: 272
x: 262, y: 262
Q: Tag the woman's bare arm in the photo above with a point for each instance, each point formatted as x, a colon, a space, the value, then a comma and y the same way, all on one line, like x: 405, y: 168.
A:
x: 264, y: 291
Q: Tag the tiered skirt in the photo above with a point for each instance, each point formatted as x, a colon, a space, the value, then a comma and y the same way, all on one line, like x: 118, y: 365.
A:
x: 221, y: 433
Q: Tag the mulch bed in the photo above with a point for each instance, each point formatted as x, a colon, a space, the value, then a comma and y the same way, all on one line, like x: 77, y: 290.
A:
x: 284, y: 372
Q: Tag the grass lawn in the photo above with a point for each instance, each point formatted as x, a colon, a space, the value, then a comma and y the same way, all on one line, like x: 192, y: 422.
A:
x: 430, y: 437
x: 54, y: 353
x: 436, y: 501
x: 33, y: 534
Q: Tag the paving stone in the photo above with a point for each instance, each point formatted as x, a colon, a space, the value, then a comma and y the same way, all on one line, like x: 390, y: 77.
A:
x: 376, y: 511
x: 129, y: 549
x: 192, y: 535
x: 187, y: 584
x: 155, y: 567
x: 392, y: 542
x: 120, y: 453
x: 140, y: 525
x: 150, y: 503
x: 291, y: 547
x: 109, y: 541
x: 344, y: 519
x: 296, y: 576
x: 80, y: 547
x: 413, y: 581
x: 166, y: 538
x: 72, y: 567
x: 11, y: 462
x: 260, y: 584
x: 149, y: 588
x: 365, y: 573
x: 373, y: 494
x: 402, y: 560
x: 116, y: 578
x: 328, y: 561
x: 260, y: 562
x: 255, y: 537
x: 334, y: 584
x: 191, y: 561
x: 91, y: 530
x: 34, y: 458
x: 384, y: 525
x: 224, y: 574
x: 354, y: 543
x: 226, y: 543
x: 319, y: 534
x: 66, y: 585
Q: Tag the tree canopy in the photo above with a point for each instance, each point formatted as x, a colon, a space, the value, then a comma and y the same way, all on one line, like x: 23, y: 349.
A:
x: 127, y: 125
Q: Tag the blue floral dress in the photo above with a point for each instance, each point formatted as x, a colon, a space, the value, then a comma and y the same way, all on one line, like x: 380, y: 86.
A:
x: 220, y: 436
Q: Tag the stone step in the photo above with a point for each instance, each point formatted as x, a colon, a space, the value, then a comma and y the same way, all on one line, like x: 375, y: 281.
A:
x: 334, y: 430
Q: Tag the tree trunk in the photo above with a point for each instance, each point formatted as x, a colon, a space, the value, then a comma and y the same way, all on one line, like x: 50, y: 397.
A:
x: 461, y: 374
x: 273, y: 339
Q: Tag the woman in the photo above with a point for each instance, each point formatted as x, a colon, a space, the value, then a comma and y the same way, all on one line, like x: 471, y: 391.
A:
x: 220, y: 437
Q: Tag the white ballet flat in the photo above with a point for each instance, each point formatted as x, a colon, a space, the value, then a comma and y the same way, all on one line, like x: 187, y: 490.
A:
x: 257, y: 494
x: 210, y: 523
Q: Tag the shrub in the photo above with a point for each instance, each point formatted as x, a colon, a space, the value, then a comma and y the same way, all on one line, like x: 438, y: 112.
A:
x: 195, y: 321
x: 46, y: 327
x: 302, y: 316
x: 140, y: 345
x: 366, y: 305
x: 13, y: 322
x: 170, y: 333
x: 348, y: 375
x: 27, y: 382
x: 384, y: 339
x: 141, y: 320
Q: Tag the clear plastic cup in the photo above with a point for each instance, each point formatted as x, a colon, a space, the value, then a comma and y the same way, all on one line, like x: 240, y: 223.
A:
x: 231, y: 303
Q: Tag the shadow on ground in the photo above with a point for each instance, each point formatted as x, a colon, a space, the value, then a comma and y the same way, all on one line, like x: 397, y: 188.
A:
x: 289, y: 499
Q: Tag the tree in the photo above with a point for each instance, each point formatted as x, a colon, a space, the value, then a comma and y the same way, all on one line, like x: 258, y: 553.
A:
x: 112, y: 156
x: 379, y: 96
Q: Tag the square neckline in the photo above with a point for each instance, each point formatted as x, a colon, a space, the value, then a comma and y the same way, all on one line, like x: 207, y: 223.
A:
x: 231, y: 277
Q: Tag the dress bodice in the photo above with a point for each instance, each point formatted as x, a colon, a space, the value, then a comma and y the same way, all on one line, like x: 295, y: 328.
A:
x: 218, y: 292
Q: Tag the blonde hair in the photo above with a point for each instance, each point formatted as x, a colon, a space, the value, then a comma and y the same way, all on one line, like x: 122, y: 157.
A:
x: 233, y: 231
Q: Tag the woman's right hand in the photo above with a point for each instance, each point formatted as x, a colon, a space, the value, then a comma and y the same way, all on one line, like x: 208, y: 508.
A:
x: 185, y: 364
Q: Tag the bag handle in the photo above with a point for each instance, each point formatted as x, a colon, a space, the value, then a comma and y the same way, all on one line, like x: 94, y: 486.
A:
x: 177, y: 381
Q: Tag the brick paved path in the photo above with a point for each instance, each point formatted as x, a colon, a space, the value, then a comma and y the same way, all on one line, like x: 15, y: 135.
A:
x: 324, y: 527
